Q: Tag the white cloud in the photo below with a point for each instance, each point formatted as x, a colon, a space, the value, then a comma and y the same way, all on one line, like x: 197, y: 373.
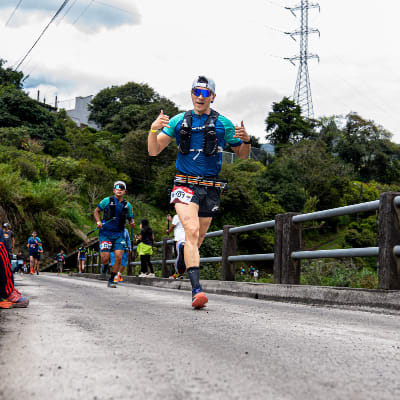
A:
x: 88, y: 16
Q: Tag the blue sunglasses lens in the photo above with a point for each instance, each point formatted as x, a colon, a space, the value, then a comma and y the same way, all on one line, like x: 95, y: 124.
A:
x: 203, y: 92
x: 119, y: 187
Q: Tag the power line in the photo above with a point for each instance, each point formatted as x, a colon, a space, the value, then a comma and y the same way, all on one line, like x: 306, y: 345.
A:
x: 44, y: 30
x: 66, y: 12
x: 12, y: 14
x: 274, y: 29
x: 83, y: 12
x: 109, y: 5
x: 274, y: 4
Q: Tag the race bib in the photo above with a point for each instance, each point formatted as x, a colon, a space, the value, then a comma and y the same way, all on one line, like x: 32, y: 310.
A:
x: 105, y: 245
x: 181, y: 194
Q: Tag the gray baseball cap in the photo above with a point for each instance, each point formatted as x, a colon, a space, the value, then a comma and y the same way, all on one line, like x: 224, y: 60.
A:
x: 203, y: 81
x: 120, y: 185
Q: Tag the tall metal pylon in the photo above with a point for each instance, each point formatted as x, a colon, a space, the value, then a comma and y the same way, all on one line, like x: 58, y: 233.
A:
x: 302, y: 90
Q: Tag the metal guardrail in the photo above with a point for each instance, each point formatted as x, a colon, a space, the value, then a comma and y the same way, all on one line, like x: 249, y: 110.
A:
x: 337, y: 253
x: 287, y: 238
x: 336, y: 212
x: 396, y: 249
x: 252, y: 257
x: 253, y: 227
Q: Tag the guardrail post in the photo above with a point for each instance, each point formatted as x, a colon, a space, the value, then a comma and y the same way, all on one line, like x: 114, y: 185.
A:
x: 166, y: 254
x: 98, y: 262
x: 93, y: 262
x: 130, y: 260
x: 228, y: 249
x: 389, y: 236
x: 287, y: 240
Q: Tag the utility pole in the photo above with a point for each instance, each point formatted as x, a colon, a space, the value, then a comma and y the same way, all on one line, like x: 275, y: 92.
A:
x: 302, y: 90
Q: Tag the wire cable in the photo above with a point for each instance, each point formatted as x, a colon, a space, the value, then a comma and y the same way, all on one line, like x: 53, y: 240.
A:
x: 12, y: 14
x: 83, y: 12
x: 66, y: 12
x: 274, y: 29
x: 274, y: 4
x: 109, y: 5
x: 44, y: 30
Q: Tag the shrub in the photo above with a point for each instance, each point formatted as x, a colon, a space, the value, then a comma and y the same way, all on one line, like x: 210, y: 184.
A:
x: 27, y: 169
x: 338, y: 273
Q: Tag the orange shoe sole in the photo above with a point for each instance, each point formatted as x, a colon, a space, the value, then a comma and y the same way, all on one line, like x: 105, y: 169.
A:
x: 200, y: 300
x: 6, y: 304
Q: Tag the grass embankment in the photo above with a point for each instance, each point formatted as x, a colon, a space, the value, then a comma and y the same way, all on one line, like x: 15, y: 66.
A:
x: 341, y: 272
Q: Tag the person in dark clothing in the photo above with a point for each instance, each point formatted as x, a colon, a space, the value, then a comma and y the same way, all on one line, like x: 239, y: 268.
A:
x: 9, y: 296
x: 9, y: 239
x: 20, y: 262
x: 145, y: 248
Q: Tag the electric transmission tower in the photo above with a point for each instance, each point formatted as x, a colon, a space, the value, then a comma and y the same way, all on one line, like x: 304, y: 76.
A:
x: 302, y: 90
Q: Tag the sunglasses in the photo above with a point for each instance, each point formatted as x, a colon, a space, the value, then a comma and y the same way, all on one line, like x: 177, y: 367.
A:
x: 119, y: 187
x: 203, y: 92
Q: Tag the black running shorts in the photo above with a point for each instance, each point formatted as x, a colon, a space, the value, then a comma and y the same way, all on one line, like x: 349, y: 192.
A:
x: 208, y: 199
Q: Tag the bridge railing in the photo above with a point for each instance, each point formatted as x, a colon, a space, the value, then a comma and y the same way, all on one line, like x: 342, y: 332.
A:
x: 288, y: 254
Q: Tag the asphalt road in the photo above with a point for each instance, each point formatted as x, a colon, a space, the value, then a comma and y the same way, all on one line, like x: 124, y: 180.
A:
x: 81, y: 340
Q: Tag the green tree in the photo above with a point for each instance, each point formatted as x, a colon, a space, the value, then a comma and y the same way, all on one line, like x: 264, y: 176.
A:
x: 329, y: 132
x: 367, y: 147
x: 285, y: 124
x: 17, y: 109
x: 244, y: 204
x: 10, y: 77
x: 129, y: 107
x: 306, y: 170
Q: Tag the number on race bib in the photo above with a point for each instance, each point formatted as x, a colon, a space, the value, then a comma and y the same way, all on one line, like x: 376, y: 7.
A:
x: 181, y: 194
x: 105, y: 245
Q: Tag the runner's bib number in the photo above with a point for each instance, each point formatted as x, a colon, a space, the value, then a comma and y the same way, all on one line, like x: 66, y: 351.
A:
x: 181, y: 194
x: 105, y: 245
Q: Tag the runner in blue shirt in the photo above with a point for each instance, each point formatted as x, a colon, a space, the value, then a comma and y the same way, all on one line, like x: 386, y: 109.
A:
x: 116, y: 211
x: 60, y: 257
x: 124, y: 262
x: 81, y: 258
x: 201, y: 134
x: 33, y: 247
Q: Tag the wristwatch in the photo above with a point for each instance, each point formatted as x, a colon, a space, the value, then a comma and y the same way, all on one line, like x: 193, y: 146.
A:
x: 249, y: 142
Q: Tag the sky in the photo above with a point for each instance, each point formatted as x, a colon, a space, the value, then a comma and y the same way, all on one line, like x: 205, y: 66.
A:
x: 242, y: 45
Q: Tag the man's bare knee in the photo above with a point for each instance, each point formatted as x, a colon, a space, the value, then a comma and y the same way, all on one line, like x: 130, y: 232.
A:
x: 192, y: 235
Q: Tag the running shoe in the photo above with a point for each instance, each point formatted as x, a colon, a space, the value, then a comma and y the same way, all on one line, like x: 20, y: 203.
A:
x: 15, y: 300
x: 120, y: 279
x: 5, y: 304
x: 116, y: 280
x: 199, y: 298
x: 111, y: 284
x: 176, y: 276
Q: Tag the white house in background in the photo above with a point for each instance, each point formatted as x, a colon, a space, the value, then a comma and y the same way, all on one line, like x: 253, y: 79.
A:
x: 80, y: 114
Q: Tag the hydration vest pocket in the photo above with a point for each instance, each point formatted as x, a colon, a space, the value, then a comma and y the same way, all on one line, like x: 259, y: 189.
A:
x: 210, y: 141
x: 185, y: 133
